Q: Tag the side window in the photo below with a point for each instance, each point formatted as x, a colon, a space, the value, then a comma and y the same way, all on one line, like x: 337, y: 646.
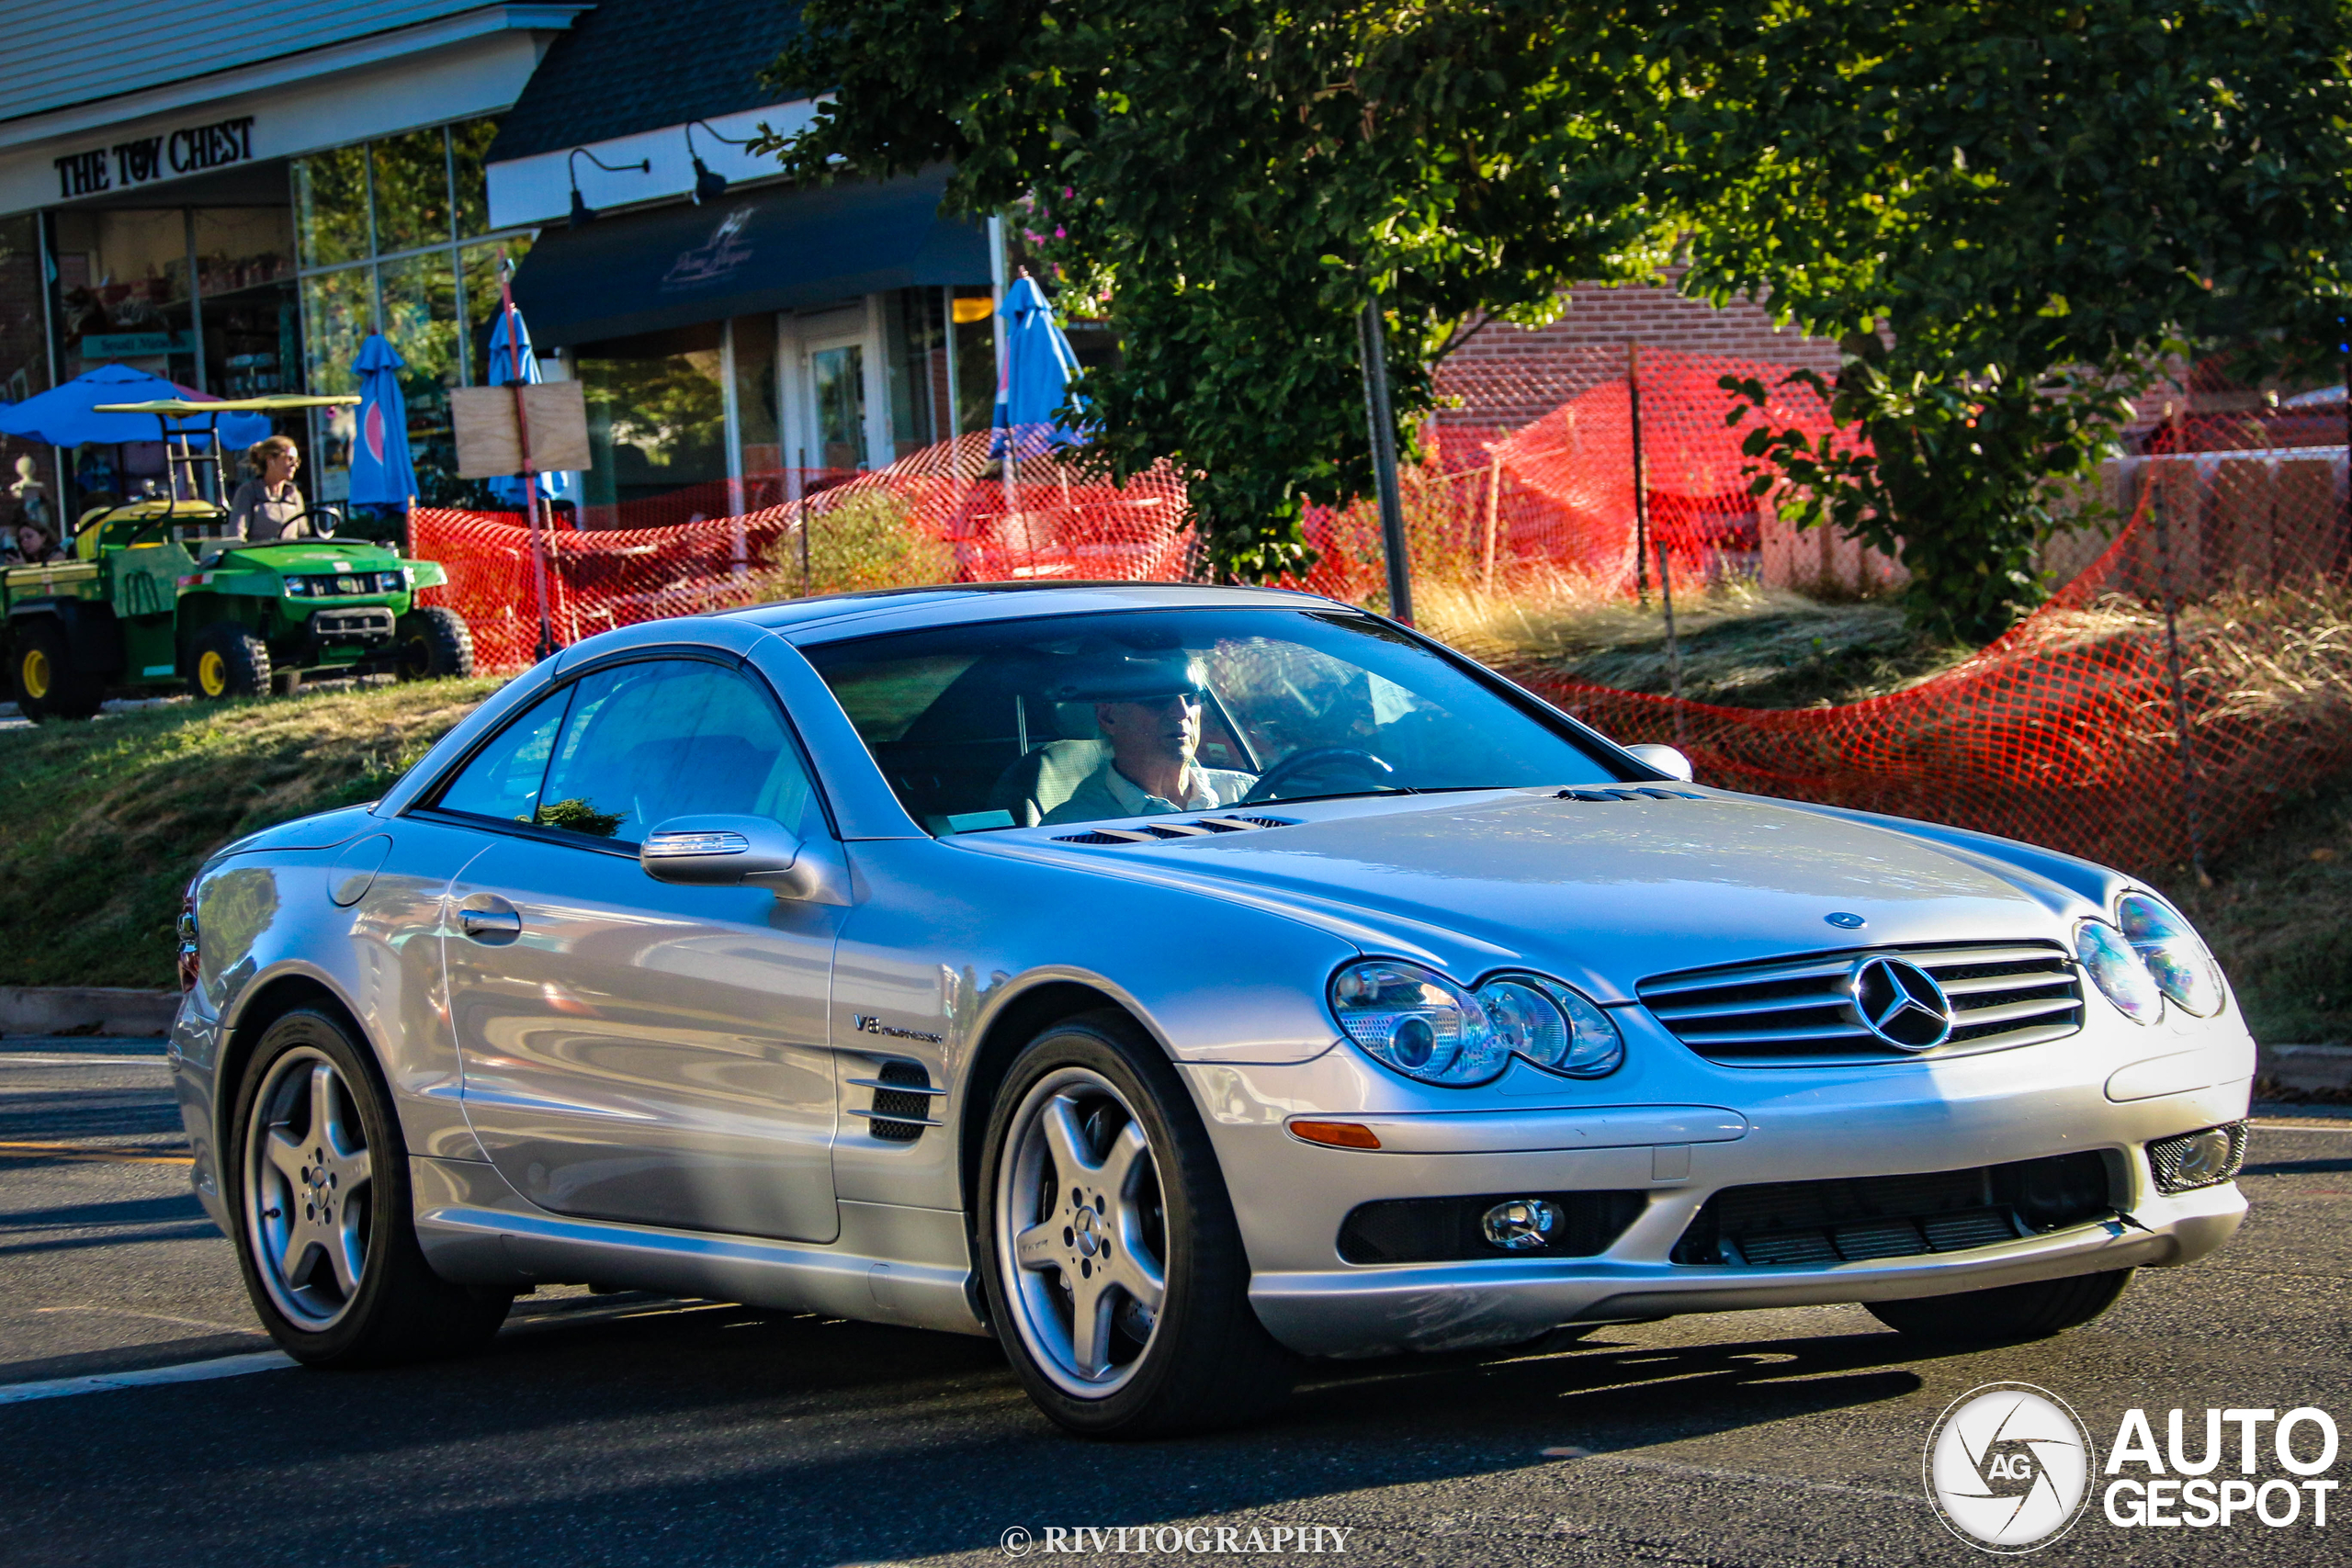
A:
x: 648, y: 742
x: 502, y: 781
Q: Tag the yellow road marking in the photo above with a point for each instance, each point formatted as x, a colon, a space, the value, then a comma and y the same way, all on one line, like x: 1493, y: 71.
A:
x: 82, y: 1151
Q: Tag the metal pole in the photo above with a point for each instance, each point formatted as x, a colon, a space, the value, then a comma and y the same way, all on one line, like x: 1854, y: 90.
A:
x: 530, y: 479
x: 2172, y: 665
x: 1494, y: 498
x: 1383, y: 420
x: 803, y: 455
x: 1673, y: 646
x: 1641, y: 478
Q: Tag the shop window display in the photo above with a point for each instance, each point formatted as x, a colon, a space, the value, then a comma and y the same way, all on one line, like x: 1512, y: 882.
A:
x: 420, y: 296
x: 657, y: 414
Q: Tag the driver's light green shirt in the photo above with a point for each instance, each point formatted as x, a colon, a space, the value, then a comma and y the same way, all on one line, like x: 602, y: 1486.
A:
x: 1108, y: 792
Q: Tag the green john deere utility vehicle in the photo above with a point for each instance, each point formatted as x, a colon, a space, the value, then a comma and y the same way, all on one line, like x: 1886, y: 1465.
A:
x: 160, y: 593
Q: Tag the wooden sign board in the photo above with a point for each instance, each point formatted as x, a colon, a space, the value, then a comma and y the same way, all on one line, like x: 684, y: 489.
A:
x: 490, y: 445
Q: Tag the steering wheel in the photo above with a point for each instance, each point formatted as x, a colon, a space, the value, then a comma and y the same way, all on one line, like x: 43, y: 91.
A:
x: 1311, y: 760
x: 333, y: 518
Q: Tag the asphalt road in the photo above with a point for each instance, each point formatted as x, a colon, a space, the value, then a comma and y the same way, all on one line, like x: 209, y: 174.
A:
x: 610, y: 1430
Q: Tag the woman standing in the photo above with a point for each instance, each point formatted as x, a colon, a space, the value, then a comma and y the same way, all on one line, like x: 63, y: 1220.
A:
x: 266, y: 506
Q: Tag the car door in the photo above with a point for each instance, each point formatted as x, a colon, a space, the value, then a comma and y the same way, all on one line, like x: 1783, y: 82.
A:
x: 636, y: 1050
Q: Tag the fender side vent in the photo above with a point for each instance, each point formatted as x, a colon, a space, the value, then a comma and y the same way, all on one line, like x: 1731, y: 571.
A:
x: 899, y: 1115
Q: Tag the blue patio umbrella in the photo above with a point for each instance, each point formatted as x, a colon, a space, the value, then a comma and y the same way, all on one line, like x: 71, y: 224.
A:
x: 552, y: 486
x: 382, y: 472
x: 1040, y: 367
x: 62, y: 417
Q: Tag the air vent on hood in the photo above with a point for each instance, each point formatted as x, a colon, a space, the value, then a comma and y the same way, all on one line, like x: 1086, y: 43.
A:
x: 1198, y: 827
x: 1631, y: 792
x: 1801, y: 1011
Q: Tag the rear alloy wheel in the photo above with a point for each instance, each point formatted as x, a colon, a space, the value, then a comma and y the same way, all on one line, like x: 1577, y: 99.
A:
x: 1114, y: 1270
x: 230, y: 663
x: 325, y: 1235
x: 2006, y: 1313
x: 48, y: 684
x: 434, y: 643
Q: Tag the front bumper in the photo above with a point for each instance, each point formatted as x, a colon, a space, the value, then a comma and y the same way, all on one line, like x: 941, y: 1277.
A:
x: 1674, y: 1130
x: 1441, y: 1306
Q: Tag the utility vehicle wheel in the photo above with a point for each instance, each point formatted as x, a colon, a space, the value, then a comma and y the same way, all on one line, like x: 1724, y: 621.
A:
x: 2005, y: 1313
x: 318, y: 1186
x: 433, y: 642
x: 1114, y: 1270
x: 47, y: 685
x: 230, y: 663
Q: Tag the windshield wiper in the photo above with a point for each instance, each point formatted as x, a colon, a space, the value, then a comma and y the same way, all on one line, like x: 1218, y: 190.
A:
x: 1329, y: 794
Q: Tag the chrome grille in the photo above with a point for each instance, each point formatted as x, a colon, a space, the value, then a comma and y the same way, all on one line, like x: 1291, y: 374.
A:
x: 1799, y: 1011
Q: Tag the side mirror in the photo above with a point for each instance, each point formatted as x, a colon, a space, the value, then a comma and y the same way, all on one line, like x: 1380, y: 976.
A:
x: 1665, y: 758
x: 734, y: 852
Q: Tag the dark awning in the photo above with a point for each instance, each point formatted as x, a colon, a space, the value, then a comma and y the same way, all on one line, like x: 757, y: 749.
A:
x: 779, y: 248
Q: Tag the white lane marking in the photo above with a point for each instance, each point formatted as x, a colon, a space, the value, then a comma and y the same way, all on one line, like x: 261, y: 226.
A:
x: 1714, y: 1474
x: 160, y: 1317
x: 2301, y: 1126
x: 188, y: 1372
x: 91, y: 1059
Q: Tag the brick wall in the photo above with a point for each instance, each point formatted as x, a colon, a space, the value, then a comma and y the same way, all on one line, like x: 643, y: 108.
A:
x: 1507, y: 375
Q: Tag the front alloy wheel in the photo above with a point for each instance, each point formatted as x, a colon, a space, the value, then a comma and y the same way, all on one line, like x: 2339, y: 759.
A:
x: 1085, y: 1233
x: 1114, y: 1272
x: 308, y: 1191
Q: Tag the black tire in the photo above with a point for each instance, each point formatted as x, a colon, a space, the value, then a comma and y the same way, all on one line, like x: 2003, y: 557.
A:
x: 400, y: 1310
x: 2006, y: 1313
x: 1205, y: 1361
x: 433, y: 643
x: 229, y: 660
x: 41, y: 672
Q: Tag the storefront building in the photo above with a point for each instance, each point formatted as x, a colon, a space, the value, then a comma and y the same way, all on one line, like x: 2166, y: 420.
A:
x: 234, y: 197
x: 735, y: 333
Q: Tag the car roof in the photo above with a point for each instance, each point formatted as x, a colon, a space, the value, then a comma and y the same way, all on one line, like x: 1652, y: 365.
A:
x: 837, y: 616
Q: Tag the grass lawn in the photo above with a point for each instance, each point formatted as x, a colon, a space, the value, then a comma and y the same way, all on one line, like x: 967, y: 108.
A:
x: 102, y: 824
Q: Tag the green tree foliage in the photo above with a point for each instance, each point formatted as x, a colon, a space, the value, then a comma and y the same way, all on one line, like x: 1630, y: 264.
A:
x: 2007, y: 211
x: 1238, y: 178
x: 2014, y: 213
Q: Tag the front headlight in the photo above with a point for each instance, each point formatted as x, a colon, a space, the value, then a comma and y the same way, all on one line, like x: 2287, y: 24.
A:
x: 1429, y: 1029
x: 1553, y: 1025
x: 2175, y: 958
x: 298, y: 587
x: 2117, y: 971
x: 1418, y: 1022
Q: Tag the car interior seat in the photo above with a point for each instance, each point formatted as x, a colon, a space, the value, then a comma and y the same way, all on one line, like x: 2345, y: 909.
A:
x: 1040, y: 781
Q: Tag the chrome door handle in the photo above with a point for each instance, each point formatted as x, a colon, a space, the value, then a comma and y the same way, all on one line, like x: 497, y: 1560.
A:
x: 491, y: 925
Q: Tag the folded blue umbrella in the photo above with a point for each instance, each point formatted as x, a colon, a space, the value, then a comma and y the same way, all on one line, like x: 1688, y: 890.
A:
x: 1040, y: 367
x: 63, y: 416
x: 382, y: 472
x: 552, y: 486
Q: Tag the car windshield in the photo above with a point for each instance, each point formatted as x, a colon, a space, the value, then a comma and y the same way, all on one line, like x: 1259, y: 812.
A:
x: 1088, y: 719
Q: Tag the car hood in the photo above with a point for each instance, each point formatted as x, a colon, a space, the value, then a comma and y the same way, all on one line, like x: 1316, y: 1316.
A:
x: 1604, y: 892
x: 311, y: 554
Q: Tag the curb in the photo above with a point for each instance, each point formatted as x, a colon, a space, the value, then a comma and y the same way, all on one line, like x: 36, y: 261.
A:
x: 86, y: 1010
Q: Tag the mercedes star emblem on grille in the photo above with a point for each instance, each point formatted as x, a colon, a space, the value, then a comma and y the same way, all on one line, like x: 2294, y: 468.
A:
x: 1901, y: 1003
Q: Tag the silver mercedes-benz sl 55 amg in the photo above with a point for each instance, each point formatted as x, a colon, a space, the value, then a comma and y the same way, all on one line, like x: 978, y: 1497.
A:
x: 1172, y: 983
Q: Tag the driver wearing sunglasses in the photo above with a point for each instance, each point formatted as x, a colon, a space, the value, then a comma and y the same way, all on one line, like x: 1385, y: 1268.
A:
x: 1148, y: 708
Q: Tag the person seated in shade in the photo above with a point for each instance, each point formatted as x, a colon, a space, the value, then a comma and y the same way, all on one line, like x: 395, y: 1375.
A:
x: 1148, y: 708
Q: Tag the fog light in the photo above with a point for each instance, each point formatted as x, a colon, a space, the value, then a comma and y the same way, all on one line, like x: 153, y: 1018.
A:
x: 1521, y: 1224
x: 2197, y: 1160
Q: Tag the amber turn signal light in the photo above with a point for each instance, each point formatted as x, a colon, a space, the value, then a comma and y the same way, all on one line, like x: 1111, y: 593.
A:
x: 1336, y: 1134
